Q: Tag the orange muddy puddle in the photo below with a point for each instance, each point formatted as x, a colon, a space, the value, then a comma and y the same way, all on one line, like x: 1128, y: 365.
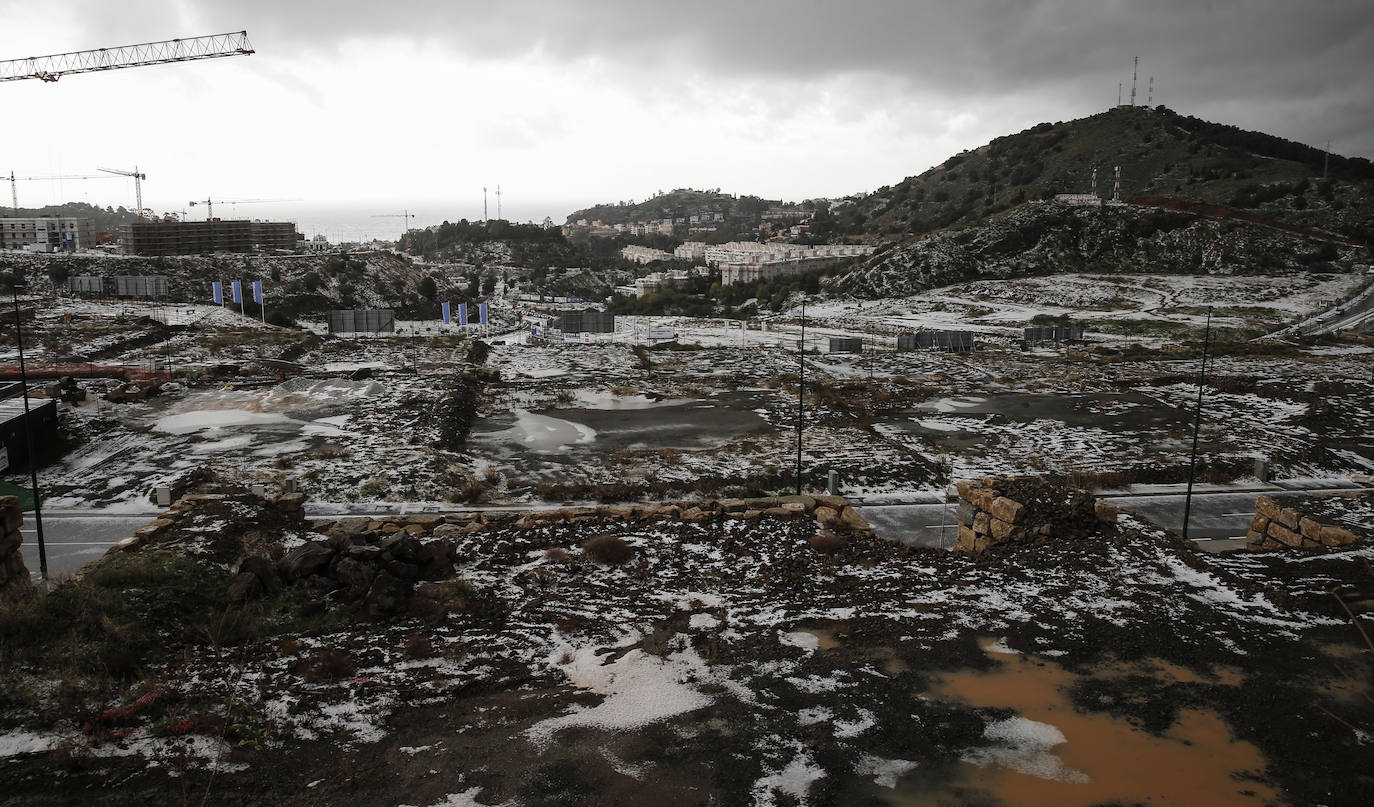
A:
x: 1051, y: 755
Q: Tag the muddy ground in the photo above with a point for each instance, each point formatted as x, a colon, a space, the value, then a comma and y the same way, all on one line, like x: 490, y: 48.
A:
x: 729, y: 662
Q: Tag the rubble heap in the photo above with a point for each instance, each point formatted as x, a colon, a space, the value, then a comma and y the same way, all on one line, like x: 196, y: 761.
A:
x: 1306, y: 522
x: 1002, y: 510
x: 15, y: 581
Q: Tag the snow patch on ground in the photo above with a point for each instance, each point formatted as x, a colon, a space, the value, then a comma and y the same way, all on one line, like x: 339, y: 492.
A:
x: 1024, y: 746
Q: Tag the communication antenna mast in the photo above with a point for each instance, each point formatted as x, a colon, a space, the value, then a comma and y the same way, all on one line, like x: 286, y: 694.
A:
x: 1118, y: 93
x: 498, y: 202
x: 1151, y: 101
x: 1135, y: 70
x: 484, y: 204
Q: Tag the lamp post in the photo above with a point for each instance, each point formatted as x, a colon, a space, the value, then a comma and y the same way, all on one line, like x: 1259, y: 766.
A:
x: 28, y: 439
x: 801, y: 391
x: 1197, y: 424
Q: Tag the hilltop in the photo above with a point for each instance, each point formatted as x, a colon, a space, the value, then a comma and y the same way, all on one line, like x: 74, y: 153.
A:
x: 1161, y: 154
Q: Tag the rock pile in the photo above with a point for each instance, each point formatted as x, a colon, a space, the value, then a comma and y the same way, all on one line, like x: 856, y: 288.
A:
x: 1003, y: 510
x: 15, y: 581
x: 1301, y: 522
x: 376, y: 568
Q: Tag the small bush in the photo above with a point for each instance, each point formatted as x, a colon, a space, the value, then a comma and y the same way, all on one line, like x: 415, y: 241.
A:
x: 609, y: 550
x: 418, y: 646
x: 556, y: 555
x: 473, y: 491
x: 326, y: 664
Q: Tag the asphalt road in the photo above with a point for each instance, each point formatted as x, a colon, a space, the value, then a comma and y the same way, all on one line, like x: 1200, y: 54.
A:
x: 1217, y: 519
x: 73, y: 539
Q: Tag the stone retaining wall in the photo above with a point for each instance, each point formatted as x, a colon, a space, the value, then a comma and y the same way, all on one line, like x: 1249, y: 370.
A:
x: 1299, y: 522
x: 829, y: 511
x: 15, y: 581
x: 1001, y: 510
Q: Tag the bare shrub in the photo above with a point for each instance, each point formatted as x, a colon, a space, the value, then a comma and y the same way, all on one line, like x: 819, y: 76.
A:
x: 492, y: 476
x: 325, y: 664
x: 473, y: 491
x: 564, y: 396
x: 610, y: 550
x: 418, y: 645
x: 556, y: 555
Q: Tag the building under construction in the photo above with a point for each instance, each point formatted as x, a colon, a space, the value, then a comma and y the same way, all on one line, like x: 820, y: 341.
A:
x: 205, y: 237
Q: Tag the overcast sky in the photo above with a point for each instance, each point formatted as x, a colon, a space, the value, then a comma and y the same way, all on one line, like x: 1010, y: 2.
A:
x: 564, y: 103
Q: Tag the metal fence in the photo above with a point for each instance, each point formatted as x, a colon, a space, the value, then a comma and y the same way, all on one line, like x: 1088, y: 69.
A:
x: 1064, y: 333
x: 588, y: 321
x: 141, y: 286
x: 362, y: 320
x: 86, y: 285
x: 956, y: 341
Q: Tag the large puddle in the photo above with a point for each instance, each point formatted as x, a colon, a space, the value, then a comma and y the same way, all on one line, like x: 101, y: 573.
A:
x: 1129, y: 411
x: 1051, y: 755
x: 606, y: 424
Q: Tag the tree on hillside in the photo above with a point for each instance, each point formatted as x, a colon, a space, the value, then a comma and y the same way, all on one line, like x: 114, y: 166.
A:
x: 427, y: 288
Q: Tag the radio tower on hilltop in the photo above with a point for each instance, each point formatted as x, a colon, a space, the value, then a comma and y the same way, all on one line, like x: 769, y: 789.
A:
x: 1135, y: 70
x: 498, y: 202
x: 1151, y: 101
x: 484, y: 204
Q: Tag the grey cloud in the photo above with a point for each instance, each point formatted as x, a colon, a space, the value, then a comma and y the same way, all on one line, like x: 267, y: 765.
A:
x: 1252, y: 56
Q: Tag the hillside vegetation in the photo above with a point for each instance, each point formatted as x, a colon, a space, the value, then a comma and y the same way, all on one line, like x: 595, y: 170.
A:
x: 1160, y: 152
x: 1041, y: 238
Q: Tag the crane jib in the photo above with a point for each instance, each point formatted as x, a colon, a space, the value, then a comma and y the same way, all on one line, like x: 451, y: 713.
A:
x: 51, y: 68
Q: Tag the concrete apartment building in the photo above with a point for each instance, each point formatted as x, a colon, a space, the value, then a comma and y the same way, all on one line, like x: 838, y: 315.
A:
x: 747, y: 262
x: 642, y: 255
x: 46, y: 234
x: 205, y: 237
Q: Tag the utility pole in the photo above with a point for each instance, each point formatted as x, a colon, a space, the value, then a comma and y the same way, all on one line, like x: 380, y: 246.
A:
x: 1197, y: 424
x: 28, y: 440
x: 484, y: 204
x: 801, y: 391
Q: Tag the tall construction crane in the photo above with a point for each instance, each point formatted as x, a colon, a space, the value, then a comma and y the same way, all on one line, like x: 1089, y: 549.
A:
x: 51, y: 68
x: 405, y: 217
x: 210, y: 204
x: 138, y: 184
x: 14, y: 184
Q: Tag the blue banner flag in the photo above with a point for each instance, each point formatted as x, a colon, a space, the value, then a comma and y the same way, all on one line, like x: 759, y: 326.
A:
x: 217, y: 291
x: 463, y: 314
x: 257, y: 292
x: 236, y: 290
x: 482, y: 313
x: 444, y: 308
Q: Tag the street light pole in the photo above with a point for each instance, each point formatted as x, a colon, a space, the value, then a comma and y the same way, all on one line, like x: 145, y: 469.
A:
x: 1197, y: 424
x: 28, y: 439
x: 801, y: 392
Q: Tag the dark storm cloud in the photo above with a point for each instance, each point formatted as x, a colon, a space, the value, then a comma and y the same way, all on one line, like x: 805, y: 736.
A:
x: 1294, y: 69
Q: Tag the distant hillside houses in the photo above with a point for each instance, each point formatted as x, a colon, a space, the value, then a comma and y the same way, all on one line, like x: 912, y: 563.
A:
x: 657, y: 281
x: 747, y: 262
x: 695, y: 223
x: 643, y: 255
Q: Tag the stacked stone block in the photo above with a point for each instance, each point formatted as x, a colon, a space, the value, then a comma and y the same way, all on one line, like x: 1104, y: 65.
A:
x: 15, y: 581
x: 990, y: 516
x: 1283, y: 524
